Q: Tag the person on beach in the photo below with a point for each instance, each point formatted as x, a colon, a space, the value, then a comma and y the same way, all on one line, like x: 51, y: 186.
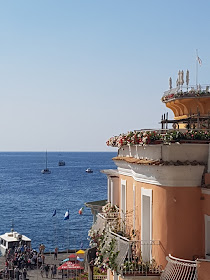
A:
x: 52, y: 272
x: 6, y: 273
x: 24, y: 274
x: 17, y: 273
x: 39, y: 260
x: 56, y: 253
x: 41, y: 248
x: 43, y: 258
x: 47, y: 270
x: 54, y: 269
x: 42, y: 270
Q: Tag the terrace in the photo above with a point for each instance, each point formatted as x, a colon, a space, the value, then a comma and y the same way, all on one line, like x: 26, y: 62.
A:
x: 181, y: 92
x: 119, y: 251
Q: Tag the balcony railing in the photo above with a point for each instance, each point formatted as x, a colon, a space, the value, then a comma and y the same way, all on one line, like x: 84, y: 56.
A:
x: 117, y: 251
x: 129, y: 257
x: 186, y: 92
x: 139, y: 260
x: 106, y: 221
x: 99, y: 277
x: 179, y: 269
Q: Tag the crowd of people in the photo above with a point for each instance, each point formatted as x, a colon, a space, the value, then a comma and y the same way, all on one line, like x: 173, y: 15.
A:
x: 19, y: 260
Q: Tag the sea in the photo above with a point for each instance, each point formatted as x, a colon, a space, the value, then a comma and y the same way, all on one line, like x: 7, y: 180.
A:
x: 28, y: 198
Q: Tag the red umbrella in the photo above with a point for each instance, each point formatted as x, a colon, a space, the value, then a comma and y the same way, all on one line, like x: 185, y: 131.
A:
x: 69, y: 265
x: 72, y: 256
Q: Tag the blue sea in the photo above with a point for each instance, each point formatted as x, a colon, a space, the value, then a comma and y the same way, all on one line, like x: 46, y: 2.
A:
x: 29, y: 198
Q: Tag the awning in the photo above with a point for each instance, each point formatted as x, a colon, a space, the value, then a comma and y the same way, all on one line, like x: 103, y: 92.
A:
x: 70, y: 266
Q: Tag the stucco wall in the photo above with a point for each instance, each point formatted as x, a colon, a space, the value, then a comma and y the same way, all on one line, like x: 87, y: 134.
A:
x: 206, y: 201
x: 203, y: 270
x: 171, y: 152
x: 177, y: 219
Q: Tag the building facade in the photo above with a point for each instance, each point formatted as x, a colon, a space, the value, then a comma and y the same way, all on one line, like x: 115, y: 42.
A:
x: 161, y: 190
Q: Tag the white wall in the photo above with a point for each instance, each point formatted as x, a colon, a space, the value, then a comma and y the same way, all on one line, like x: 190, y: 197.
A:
x: 170, y: 175
x: 173, y: 152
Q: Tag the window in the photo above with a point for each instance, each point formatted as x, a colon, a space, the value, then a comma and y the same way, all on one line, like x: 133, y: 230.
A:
x: 207, y: 236
x: 123, y: 200
x: 146, y: 223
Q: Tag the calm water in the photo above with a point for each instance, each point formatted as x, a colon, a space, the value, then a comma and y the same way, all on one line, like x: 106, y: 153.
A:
x: 29, y: 198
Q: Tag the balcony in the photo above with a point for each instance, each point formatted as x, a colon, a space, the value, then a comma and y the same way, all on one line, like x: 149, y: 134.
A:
x: 118, y: 251
x: 186, y: 92
x: 180, y: 269
x: 127, y: 257
x: 162, y: 136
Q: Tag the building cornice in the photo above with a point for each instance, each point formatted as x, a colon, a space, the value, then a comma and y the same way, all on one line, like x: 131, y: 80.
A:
x: 161, y: 175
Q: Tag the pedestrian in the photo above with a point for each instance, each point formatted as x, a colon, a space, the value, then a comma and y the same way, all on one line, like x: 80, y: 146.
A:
x: 41, y: 248
x: 54, y: 269
x: 39, y: 260
x: 43, y: 257
x: 17, y: 273
x: 56, y: 253
x: 42, y: 270
x: 24, y: 274
x: 47, y: 270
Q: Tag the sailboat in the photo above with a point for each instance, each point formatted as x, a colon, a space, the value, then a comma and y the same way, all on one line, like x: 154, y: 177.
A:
x: 46, y: 170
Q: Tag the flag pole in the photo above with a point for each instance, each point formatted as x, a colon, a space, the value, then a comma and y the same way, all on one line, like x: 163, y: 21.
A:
x: 66, y: 217
x: 196, y: 78
x: 68, y: 237
x: 56, y: 232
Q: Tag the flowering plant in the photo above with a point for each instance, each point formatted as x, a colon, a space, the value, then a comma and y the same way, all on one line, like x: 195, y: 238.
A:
x: 190, y: 93
x: 138, y: 266
x: 111, y: 211
x: 106, y: 253
x: 149, y: 137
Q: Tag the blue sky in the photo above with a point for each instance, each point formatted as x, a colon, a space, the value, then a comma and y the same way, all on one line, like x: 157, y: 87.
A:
x: 74, y: 73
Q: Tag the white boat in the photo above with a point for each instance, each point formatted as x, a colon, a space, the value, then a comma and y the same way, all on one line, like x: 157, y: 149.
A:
x: 46, y: 170
x: 88, y: 170
x: 11, y: 240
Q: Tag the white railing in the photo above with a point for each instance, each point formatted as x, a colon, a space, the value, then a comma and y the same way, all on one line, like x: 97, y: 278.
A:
x: 139, y: 260
x: 99, y: 277
x: 186, y: 92
x: 111, y: 220
x: 190, y: 88
x: 178, y: 269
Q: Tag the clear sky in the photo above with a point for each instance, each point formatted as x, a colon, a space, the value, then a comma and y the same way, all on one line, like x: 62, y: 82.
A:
x: 74, y: 73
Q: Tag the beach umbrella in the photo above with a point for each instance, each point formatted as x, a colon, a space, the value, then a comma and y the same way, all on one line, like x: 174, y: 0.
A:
x: 80, y: 252
x: 72, y: 256
x: 70, y: 266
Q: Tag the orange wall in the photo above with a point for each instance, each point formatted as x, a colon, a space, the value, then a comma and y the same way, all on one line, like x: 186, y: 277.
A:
x: 206, y: 204
x: 205, y: 198
x: 203, y: 270
x: 177, y: 219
